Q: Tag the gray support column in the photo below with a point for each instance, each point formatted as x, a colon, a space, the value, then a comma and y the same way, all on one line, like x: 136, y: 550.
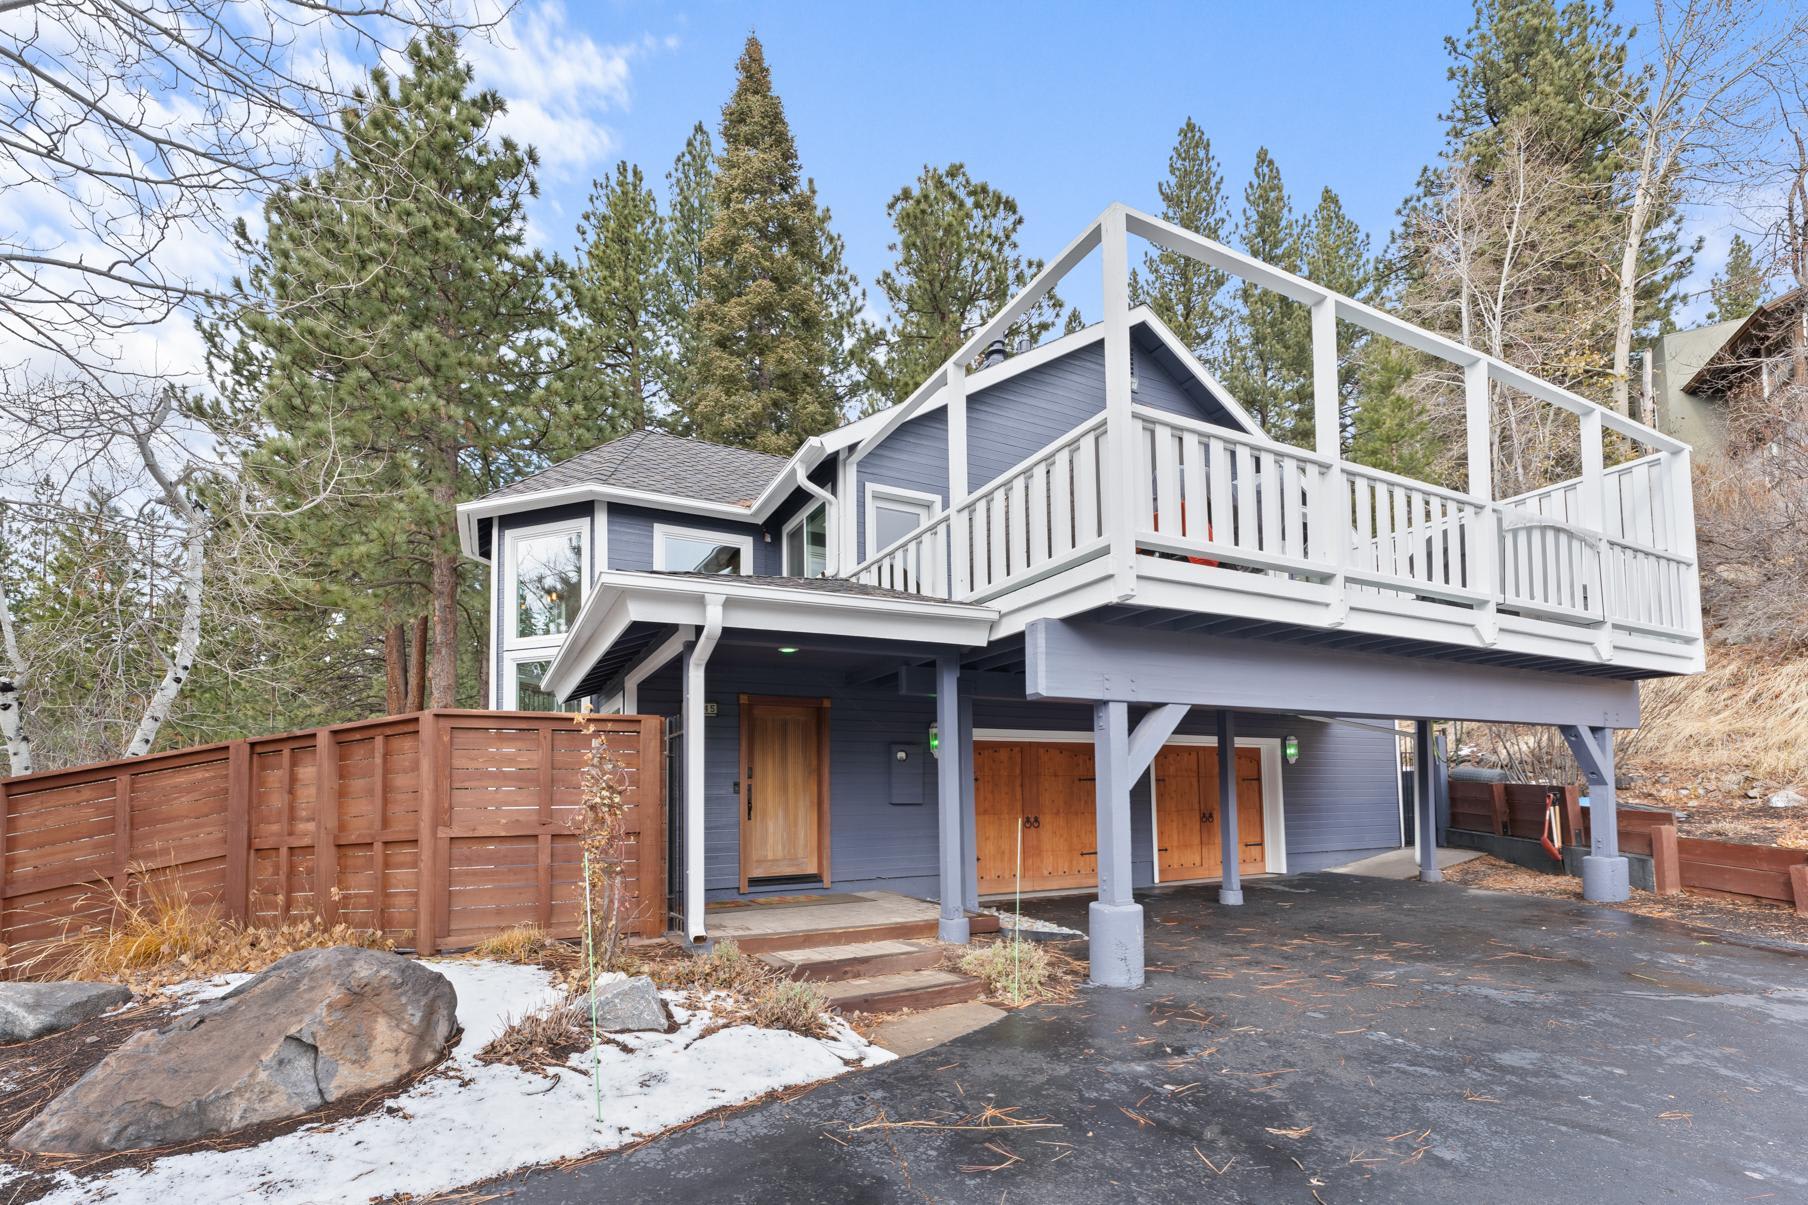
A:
x: 1604, y: 870
x: 969, y: 813
x: 950, y: 769
x: 1230, y: 886
x: 1115, y: 919
x: 1425, y: 801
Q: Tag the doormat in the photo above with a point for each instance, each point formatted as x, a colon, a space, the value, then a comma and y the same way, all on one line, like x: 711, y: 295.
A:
x: 785, y: 901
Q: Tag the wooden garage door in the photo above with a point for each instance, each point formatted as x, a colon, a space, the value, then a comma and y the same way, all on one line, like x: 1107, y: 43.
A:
x: 1043, y: 793
x: 1187, y: 840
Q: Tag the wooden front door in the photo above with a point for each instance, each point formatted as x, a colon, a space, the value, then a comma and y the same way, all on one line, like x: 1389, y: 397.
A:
x: 784, y: 789
x: 1187, y: 841
x: 1034, y: 800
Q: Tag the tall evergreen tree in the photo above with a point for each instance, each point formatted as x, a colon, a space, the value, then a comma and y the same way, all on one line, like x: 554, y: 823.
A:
x: 690, y: 212
x: 395, y: 350
x: 616, y: 343
x: 956, y: 263
x: 1184, y: 293
x: 1739, y: 287
x: 1269, y: 367
x: 774, y: 305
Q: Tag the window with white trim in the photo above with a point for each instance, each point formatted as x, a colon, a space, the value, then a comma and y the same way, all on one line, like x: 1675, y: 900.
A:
x: 807, y: 543
x: 693, y: 550
x: 544, y: 571
x: 521, y: 685
x: 893, y: 513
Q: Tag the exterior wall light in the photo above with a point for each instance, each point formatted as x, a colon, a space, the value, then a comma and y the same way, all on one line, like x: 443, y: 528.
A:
x: 1290, y: 747
x: 787, y: 649
x: 935, y: 741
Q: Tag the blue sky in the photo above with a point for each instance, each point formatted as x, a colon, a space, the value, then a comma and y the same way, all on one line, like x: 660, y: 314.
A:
x: 1065, y: 106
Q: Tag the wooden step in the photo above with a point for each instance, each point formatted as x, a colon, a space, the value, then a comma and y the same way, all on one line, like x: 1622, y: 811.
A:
x: 827, y: 964
x: 924, y: 930
x: 904, y: 989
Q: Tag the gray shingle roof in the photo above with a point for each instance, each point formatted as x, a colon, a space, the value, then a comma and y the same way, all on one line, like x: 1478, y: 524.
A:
x: 658, y: 463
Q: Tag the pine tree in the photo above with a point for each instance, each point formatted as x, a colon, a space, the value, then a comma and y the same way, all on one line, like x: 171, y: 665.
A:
x: 690, y: 212
x: 773, y: 307
x: 956, y: 263
x: 1393, y: 429
x: 1334, y: 252
x: 395, y: 349
x: 1269, y: 368
x: 616, y: 346
x: 1739, y: 287
x: 1185, y: 294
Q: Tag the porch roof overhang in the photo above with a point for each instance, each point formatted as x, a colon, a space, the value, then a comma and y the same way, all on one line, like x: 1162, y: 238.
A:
x: 625, y: 604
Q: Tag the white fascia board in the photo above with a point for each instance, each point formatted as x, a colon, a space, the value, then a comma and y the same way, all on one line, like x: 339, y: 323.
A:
x: 489, y: 508
x: 622, y: 597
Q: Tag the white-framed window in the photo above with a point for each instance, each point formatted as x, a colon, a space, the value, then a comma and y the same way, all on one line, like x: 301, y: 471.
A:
x: 521, y: 674
x: 806, y: 542
x: 694, y: 550
x: 545, y: 569
x: 893, y: 513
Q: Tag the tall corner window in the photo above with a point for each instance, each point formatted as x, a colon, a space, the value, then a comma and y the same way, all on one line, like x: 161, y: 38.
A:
x: 691, y: 550
x: 892, y: 514
x: 807, y: 543
x: 549, y: 582
x: 526, y: 687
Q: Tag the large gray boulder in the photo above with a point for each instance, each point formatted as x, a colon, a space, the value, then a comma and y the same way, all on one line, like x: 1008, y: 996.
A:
x: 31, y: 1010
x: 316, y: 1027
x: 626, y: 1005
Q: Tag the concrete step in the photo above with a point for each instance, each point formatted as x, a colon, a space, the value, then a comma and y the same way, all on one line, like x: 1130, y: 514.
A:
x: 827, y: 964
x: 903, y: 989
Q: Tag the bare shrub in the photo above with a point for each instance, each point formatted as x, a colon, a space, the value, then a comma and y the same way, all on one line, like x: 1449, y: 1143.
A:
x: 1016, y: 971
x: 791, y: 1004
x: 544, y: 1036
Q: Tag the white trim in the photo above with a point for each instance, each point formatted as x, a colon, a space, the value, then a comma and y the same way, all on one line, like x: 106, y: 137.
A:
x: 650, y: 665
x: 877, y: 493
x: 1274, y: 828
x: 599, y: 541
x: 510, y: 592
x: 662, y: 530
x: 784, y: 540
x: 494, y: 646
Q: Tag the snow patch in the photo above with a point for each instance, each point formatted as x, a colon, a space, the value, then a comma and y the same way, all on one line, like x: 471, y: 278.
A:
x: 469, y: 1122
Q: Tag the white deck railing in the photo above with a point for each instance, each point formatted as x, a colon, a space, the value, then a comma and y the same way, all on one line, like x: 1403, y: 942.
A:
x: 1223, y: 500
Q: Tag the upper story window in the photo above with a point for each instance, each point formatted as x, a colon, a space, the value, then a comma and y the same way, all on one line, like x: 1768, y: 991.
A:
x: 691, y: 550
x: 807, y: 543
x: 893, y: 513
x: 547, y: 569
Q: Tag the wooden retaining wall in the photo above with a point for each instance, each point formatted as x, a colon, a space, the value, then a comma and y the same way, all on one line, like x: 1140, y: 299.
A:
x: 437, y: 828
x: 1759, y: 872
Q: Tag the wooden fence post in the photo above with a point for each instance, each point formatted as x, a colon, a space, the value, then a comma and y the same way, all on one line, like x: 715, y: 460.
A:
x: 652, y: 827
x: 122, y: 833
x: 238, y: 831
x: 1798, y: 883
x: 3, y: 826
x: 1666, y: 868
x: 1572, y: 814
x: 1497, y: 801
x: 427, y: 887
x: 326, y: 826
x: 543, y: 841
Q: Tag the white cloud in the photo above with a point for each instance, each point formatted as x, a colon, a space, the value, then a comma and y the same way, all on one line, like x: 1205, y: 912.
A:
x: 561, y: 84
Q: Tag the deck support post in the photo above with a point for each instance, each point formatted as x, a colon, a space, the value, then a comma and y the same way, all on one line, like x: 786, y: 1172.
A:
x: 951, y: 767
x: 969, y: 810
x: 1230, y: 883
x: 1604, y: 869
x: 1115, y: 919
x: 1425, y: 802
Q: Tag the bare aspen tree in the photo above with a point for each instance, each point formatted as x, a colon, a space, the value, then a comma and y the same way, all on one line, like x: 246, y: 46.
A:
x: 1699, y: 108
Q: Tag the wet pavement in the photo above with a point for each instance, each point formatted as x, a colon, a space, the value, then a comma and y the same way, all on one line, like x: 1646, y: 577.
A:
x: 1337, y: 1039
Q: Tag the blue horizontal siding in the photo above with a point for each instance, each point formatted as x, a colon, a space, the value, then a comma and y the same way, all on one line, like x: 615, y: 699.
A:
x: 631, y: 536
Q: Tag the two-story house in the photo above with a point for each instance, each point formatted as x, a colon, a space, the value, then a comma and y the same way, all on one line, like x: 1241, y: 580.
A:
x: 997, y: 637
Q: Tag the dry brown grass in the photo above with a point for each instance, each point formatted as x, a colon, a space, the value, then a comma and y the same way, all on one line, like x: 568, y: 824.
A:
x: 789, y: 1004
x: 528, y: 945
x: 542, y: 1037
x: 1747, y: 713
x: 1018, y: 972
x: 161, y: 936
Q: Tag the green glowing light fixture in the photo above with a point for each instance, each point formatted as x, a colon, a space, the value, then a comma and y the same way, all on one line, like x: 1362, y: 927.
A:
x: 1290, y: 747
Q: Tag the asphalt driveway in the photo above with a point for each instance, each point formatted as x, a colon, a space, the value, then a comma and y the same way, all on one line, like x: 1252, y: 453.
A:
x: 1336, y: 1039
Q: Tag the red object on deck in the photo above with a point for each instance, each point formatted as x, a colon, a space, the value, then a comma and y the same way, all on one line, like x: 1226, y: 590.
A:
x: 1553, y: 827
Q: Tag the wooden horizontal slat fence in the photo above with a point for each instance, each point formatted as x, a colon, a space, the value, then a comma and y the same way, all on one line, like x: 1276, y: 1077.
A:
x: 1759, y: 872
x: 436, y: 828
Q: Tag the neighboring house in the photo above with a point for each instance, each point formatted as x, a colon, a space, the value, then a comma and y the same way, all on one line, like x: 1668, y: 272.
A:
x: 1747, y: 363
x: 1695, y: 416
x: 996, y: 635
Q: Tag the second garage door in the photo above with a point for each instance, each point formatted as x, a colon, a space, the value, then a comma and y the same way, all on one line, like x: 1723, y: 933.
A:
x: 1034, y: 801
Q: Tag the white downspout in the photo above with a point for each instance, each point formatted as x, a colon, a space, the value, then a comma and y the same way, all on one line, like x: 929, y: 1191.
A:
x: 694, y: 742
x: 831, y: 549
